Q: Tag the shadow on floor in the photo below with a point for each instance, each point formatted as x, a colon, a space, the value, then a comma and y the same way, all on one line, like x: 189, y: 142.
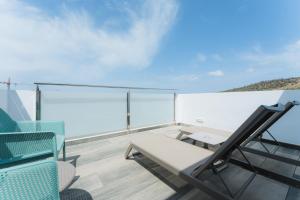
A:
x: 164, y: 176
x: 75, y: 194
x: 73, y: 160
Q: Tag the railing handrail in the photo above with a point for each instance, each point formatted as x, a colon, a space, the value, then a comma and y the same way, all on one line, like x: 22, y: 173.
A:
x: 101, y: 86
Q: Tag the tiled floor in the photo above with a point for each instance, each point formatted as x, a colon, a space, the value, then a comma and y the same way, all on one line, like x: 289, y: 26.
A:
x: 103, y: 173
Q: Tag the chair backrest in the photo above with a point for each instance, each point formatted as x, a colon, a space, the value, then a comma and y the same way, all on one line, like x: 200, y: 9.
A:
x: 276, y: 116
x: 7, y: 124
x: 287, y: 107
x: 33, y: 181
x: 23, y: 147
x: 256, y: 119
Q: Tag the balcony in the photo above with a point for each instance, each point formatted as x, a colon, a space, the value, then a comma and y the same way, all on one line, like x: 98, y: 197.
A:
x: 103, y: 173
x: 100, y: 122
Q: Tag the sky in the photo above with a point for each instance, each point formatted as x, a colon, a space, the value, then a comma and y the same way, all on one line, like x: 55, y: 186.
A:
x: 190, y: 45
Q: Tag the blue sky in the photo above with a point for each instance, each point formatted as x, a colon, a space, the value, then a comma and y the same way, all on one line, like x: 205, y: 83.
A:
x: 192, y: 45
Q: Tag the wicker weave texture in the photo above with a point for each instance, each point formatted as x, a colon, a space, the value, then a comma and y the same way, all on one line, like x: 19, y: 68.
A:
x: 34, y: 181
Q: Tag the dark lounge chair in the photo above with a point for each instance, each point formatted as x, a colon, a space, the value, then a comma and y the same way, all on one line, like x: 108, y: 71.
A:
x: 189, y: 162
x: 258, y: 137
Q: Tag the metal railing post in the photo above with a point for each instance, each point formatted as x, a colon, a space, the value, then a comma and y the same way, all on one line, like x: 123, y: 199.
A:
x: 38, y: 104
x: 128, y: 110
x: 174, y: 117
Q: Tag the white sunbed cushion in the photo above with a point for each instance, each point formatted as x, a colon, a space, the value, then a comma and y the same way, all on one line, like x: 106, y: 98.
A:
x: 172, y: 154
x: 195, y: 129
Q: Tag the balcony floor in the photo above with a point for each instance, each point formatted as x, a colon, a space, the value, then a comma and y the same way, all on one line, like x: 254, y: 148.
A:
x: 103, y: 173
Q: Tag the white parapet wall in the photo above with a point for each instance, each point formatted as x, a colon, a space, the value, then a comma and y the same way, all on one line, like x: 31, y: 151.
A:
x: 3, y: 100
x: 22, y: 104
x: 19, y: 104
x: 228, y: 110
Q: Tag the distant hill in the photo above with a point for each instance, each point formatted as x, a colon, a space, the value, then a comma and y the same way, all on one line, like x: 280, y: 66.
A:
x: 276, y: 84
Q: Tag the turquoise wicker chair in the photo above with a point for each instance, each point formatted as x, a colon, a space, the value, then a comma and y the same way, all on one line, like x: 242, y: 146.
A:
x: 7, y: 124
x: 32, y: 181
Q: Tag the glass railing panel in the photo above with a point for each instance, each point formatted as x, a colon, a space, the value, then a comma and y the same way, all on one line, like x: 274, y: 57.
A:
x: 149, y: 108
x: 86, y: 113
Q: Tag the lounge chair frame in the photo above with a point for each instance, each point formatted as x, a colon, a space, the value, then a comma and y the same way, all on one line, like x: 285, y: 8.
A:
x: 258, y: 137
x: 256, y: 120
x: 230, y: 195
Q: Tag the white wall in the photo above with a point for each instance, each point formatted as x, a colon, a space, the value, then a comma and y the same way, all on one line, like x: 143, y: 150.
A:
x: 228, y: 110
x: 20, y: 104
x: 3, y: 99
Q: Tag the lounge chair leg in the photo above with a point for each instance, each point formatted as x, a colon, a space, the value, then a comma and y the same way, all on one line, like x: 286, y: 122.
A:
x: 273, y: 137
x: 223, y: 182
x: 179, y: 135
x: 64, y: 152
x: 129, y: 149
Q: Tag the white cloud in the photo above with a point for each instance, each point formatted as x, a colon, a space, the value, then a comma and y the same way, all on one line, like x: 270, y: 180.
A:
x: 200, y: 57
x: 217, y: 57
x: 257, y: 48
x: 35, y: 44
x: 216, y: 73
x: 288, y: 57
x: 186, y: 77
x: 250, y: 70
x: 179, y: 78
